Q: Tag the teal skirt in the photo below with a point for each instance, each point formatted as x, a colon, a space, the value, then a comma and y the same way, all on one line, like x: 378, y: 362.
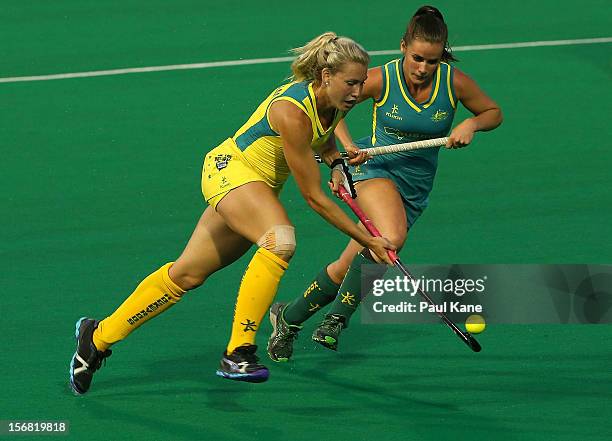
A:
x: 412, y: 173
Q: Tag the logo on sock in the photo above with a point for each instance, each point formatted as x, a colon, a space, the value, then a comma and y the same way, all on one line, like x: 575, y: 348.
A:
x: 249, y: 326
x: 314, y: 308
x: 312, y: 286
x: 348, y: 298
x: 149, y: 309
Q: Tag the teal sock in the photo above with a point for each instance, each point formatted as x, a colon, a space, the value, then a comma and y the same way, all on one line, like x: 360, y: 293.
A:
x: 350, y: 295
x: 319, y: 293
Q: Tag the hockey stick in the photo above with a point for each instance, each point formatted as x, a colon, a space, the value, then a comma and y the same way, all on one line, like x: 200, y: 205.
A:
x: 406, y: 147
x: 467, y: 338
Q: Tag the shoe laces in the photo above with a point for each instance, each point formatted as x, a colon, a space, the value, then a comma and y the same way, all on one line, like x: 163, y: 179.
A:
x: 100, y: 358
x: 247, y: 352
x: 292, y: 332
x: 333, y: 321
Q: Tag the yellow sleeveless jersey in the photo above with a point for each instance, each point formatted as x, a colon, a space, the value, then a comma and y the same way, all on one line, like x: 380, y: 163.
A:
x: 262, y: 147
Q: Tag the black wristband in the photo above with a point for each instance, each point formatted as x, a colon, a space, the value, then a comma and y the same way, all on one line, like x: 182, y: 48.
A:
x: 336, y: 162
x: 348, y: 179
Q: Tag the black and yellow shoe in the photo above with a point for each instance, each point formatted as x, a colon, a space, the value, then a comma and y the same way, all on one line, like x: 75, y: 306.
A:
x: 242, y: 365
x: 280, y: 343
x: 328, y: 332
x: 86, y: 359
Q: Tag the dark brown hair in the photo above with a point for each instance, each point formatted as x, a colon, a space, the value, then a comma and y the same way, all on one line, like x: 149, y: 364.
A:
x: 427, y: 24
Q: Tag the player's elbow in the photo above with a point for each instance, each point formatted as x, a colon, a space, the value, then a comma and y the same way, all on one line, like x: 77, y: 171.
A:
x: 500, y: 117
x: 491, y: 119
x: 314, y: 199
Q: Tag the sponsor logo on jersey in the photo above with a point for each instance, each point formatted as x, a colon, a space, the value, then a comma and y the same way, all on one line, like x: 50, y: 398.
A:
x: 410, y: 135
x: 394, y: 113
x: 440, y: 115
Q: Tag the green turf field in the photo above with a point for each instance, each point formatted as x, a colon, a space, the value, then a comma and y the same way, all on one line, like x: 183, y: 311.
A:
x: 100, y: 180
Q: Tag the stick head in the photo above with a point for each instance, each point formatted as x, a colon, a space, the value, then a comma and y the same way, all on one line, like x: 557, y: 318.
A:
x: 472, y: 342
x: 467, y: 338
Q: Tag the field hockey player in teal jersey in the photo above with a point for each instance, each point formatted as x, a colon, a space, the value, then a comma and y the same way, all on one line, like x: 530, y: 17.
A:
x: 414, y: 98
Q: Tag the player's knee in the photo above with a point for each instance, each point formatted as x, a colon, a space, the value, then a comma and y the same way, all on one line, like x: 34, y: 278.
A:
x: 279, y: 240
x: 397, y: 239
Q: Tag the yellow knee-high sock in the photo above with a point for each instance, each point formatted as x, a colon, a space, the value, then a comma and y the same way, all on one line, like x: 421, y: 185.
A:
x: 257, y: 290
x: 154, y: 295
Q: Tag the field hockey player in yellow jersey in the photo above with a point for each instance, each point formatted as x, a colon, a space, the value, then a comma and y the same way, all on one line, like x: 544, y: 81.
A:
x: 241, y: 179
x: 414, y: 98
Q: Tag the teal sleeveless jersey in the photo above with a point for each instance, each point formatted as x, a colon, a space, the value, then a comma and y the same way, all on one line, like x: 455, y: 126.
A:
x: 397, y: 118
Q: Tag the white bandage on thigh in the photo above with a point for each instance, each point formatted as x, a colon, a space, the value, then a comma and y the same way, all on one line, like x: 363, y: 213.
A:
x: 280, y: 240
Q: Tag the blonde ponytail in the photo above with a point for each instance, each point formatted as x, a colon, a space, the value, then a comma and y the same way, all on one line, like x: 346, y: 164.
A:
x: 326, y: 50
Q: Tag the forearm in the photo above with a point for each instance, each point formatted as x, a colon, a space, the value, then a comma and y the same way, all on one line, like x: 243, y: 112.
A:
x: 329, y: 154
x: 333, y: 214
x: 343, y: 134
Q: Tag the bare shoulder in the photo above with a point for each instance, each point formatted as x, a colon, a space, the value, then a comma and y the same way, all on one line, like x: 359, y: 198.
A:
x: 459, y: 77
x: 285, y: 114
x: 471, y: 95
x: 375, y: 74
x: 463, y: 84
x: 373, y: 86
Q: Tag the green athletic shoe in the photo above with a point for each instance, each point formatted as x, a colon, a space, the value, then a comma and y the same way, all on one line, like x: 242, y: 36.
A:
x: 280, y: 344
x: 327, y: 333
